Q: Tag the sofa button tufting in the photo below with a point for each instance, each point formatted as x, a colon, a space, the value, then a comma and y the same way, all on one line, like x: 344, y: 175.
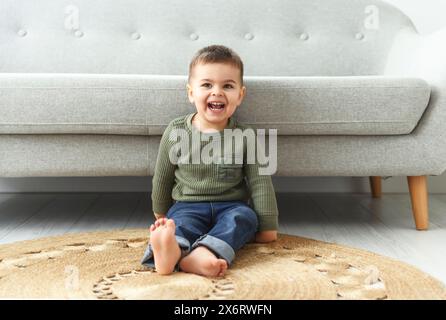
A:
x: 136, y: 36
x: 304, y: 36
x: 22, y: 33
x: 79, y: 34
x: 249, y: 36
x: 194, y: 36
x: 359, y: 36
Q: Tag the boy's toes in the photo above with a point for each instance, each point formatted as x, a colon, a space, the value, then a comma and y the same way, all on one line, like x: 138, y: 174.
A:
x: 161, y: 221
x: 223, y: 267
x: 218, y: 267
x: 170, y: 223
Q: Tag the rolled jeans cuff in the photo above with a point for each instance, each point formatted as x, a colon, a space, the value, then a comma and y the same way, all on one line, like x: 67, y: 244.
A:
x: 148, y: 261
x: 219, y: 247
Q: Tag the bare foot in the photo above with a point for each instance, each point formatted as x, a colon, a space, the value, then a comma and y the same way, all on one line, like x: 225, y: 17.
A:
x: 166, y: 250
x: 202, y: 261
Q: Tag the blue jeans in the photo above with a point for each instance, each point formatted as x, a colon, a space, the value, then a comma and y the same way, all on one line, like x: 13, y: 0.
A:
x: 222, y: 227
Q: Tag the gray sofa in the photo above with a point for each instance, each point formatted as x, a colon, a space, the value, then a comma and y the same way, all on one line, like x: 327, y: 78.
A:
x: 87, y: 87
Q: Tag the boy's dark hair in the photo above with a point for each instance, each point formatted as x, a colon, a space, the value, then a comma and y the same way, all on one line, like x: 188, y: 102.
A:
x: 216, y: 54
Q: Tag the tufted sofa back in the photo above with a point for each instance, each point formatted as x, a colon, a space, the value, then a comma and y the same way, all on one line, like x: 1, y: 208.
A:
x: 273, y: 37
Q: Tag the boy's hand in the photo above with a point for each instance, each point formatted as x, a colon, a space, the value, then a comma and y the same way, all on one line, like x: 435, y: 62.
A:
x: 266, y: 236
x: 159, y: 215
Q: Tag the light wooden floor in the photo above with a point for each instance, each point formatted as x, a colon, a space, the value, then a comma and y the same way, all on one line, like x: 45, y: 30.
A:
x: 383, y: 226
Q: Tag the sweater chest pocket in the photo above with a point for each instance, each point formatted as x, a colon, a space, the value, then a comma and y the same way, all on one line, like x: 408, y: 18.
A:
x: 230, y: 172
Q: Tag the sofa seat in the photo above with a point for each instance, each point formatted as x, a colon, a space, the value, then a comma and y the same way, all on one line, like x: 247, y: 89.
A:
x: 144, y: 104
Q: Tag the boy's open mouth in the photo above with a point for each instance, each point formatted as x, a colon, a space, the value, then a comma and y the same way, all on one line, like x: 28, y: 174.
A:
x: 216, y: 106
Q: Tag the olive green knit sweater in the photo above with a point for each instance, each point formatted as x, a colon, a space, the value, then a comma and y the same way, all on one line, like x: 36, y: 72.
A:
x: 189, y: 181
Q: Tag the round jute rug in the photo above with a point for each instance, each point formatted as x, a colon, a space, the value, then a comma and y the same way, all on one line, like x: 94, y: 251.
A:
x: 106, y: 265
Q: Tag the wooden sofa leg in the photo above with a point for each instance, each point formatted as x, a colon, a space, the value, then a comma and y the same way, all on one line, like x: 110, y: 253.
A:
x: 419, y: 199
x: 375, y: 186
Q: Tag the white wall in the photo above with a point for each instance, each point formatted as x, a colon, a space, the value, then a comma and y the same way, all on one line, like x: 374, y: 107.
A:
x: 427, y: 15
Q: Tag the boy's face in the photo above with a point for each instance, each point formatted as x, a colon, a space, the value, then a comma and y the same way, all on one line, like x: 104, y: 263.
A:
x: 216, y: 91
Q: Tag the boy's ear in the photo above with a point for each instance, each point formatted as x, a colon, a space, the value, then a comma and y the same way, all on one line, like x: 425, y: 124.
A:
x: 242, y: 95
x: 189, y: 93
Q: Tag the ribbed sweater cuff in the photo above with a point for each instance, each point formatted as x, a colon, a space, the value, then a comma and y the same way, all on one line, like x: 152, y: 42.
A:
x: 268, y: 223
x: 161, y: 207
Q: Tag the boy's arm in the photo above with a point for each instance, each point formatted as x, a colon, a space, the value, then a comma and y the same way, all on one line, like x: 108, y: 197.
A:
x: 264, y: 203
x: 163, y: 178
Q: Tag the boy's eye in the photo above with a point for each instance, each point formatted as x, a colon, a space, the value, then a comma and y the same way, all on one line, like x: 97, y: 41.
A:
x: 208, y: 84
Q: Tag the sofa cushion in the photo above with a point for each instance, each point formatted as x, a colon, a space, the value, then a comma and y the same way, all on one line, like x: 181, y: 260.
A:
x: 373, y: 105
x: 145, y: 104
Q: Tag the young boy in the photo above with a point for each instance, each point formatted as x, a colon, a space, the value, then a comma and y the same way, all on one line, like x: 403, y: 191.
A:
x: 210, y: 218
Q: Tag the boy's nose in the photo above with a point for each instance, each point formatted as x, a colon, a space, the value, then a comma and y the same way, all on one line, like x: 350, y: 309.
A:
x: 217, y: 92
